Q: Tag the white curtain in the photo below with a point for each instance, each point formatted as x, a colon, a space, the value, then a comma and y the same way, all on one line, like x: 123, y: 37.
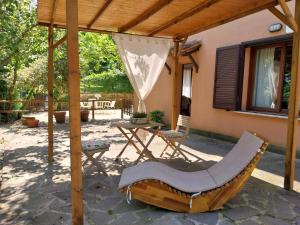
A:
x: 266, y: 79
x: 144, y: 59
x: 186, y: 83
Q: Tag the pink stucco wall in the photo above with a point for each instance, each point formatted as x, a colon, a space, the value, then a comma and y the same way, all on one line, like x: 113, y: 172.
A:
x: 204, y: 116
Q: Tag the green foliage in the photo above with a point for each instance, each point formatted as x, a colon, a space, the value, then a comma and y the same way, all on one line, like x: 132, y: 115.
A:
x: 101, y: 67
x: 24, y: 60
x: 106, y: 82
x: 139, y: 115
x: 157, y: 116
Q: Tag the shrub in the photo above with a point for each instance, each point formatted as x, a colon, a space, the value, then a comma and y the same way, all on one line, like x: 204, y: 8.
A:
x: 139, y: 115
x: 157, y: 116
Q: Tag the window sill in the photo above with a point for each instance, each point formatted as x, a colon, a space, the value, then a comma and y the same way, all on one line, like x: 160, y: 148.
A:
x: 270, y: 115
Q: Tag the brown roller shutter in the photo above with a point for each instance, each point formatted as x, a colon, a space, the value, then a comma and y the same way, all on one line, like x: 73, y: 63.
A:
x: 229, y: 77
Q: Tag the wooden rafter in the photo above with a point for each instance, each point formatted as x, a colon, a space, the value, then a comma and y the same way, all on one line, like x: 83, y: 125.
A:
x: 288, y: 14
x: 52, y: 13
x: 228, y: 19
x: 189, y: 13
x: 191, y: 49
x: 60, y: 41
x: 99, y: 13
x: 281, y: 16
x: 195, y: 64
x: 145, y: 15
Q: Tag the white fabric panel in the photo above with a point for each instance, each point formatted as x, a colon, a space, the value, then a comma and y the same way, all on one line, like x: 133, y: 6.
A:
x: 266, y: 78
x: 144, y: 59
x: 237, y: 159
x: 190, y: 182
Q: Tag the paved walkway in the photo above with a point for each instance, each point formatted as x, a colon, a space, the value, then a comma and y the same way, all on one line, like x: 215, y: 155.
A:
x: 36, y: 193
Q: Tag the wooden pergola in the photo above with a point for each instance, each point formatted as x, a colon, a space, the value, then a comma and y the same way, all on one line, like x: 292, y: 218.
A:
x: 176, y: 19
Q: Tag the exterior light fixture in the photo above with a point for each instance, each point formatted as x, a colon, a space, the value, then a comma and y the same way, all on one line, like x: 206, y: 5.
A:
x: 275, y: 27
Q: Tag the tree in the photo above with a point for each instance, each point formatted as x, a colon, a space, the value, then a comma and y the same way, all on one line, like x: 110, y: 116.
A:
x: 101, y: 67
x: 21, y: 41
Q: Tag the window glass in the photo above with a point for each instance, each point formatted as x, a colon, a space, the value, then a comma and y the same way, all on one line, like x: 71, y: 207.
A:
x: 286, y: 78
x: 267, y: 74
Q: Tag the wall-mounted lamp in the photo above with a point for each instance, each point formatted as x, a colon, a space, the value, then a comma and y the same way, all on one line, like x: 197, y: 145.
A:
x: 275, y: 27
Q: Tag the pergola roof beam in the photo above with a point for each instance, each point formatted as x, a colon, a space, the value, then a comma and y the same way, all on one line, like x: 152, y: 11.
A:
x: 99, y: 13
x: 228, y: 19
x: 281, y: 16
x: 145, y: 15
x: 184, y: 15
x: 288, y: 14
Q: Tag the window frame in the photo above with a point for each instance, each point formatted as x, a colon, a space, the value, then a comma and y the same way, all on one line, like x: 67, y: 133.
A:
x: 251, y: 84
x: 189, y: 66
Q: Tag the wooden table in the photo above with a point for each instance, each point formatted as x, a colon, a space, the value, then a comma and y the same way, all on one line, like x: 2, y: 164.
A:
x: 133, y: 129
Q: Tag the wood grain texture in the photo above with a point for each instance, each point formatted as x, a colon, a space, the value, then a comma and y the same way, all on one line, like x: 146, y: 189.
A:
x: 175, y: 18
x: 50, y: 92
x: 292, y: 129
x: 175, y: 90
x: 159, y: 194
x: 74, y: 106
x: 145, y: 15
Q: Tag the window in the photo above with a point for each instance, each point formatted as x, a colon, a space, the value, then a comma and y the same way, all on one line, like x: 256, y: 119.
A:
x: 270, y: 77
x: 186, y: 90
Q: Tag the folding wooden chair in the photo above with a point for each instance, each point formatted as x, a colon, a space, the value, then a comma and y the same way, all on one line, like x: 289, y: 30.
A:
x: 92, y: 147
x: 174, y: 138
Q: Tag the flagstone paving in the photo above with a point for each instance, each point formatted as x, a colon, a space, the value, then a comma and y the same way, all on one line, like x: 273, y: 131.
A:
x: 34, y: 192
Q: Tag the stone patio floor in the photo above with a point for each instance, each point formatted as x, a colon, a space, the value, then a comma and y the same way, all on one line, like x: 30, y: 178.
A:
x: 34, y: 192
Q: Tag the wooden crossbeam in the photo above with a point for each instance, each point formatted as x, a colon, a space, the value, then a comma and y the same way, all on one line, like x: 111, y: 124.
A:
x: 195, y: 64
x: 191, y: 49
x: 189, y: 13
x: 99, y: 13
x: 145, y: 15
x: 60, y: 41
x: 229, y: 19
x: 287, y: 12
x: 281, y: 16
x: 52, y: 13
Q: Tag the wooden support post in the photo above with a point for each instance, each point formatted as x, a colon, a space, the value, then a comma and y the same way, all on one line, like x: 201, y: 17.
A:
x: 175, y: 87
x: 122, y: 108
x: 93, y: 109
x: 195, y: 64
x: 293, y: 108
x: 74, y: 106
x: 50, y: 92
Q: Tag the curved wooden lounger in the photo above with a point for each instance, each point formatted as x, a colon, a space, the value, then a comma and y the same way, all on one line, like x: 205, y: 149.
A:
x: 161, y: 194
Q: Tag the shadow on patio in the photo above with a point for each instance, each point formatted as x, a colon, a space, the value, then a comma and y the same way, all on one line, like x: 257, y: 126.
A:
x: 37, y: 193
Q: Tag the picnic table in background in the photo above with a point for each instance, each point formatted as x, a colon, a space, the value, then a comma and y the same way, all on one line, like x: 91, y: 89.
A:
x: 151, y: 127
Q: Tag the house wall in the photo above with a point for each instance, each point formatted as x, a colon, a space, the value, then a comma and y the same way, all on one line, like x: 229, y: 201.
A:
x: 203, y: 115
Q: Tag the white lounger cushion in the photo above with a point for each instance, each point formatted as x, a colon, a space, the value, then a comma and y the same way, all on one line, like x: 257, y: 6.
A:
x: 185, y: 181
x: 191, y: 182
x: 236, y: 160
